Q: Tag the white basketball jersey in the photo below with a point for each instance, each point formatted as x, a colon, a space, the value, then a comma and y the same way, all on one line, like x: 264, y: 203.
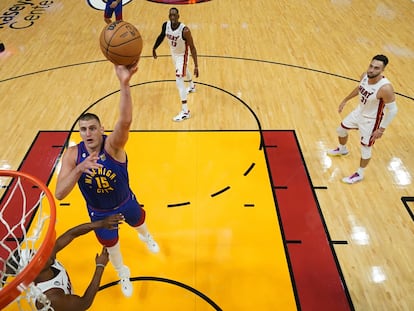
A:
x: 61, y: 280
x: 176, y: 41
x: 370, y: 106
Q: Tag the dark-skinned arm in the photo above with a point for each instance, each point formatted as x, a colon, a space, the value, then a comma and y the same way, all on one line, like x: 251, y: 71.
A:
x: 159, y: 39
x: 62, y: 302
x: 110, y: 222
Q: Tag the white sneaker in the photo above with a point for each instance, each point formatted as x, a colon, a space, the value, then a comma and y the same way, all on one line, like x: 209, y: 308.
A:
x: 352, y: 179
x: 151, y: 244
x: 191, y: 89
x: 183, y: 115
x: 337, y: 152
x: 126, y: 285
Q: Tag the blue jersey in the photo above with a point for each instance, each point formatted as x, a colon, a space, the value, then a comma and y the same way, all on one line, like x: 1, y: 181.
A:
x: 107, y: 187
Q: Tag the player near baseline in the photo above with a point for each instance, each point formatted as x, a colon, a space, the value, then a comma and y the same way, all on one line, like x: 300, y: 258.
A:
x: 99, y: 165
x: 375, y: 94
x: 180, y: 40
x: 53, y: 279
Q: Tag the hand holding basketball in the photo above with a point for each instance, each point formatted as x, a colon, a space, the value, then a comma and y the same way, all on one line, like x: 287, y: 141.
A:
x: 125, y: 73
x: 121, y: 43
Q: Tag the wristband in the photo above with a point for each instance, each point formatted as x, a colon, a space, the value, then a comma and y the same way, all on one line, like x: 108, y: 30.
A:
x: 100, y: 265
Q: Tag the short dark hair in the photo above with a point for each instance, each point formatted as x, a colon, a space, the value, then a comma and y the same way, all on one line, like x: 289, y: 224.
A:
x: 89, y: 116
x: 175, y: 9
x: 381, y: 58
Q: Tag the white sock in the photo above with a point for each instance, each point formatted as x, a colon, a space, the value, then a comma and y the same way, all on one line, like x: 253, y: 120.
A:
x: 360, y: 171
x: 184, y: 107
x: 143, y: 230
x: 342, y: 147
x: 115, y: 257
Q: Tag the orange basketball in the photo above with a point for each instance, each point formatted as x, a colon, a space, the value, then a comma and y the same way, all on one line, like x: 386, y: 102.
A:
x: 121, y: 43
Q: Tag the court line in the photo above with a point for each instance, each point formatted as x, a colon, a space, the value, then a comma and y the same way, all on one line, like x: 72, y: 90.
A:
x: 204, y: 56
x: 408, y: 199
x: 169, y: 281
x: 249, y: 169
x: 221, y: 191
x: 307, y: 241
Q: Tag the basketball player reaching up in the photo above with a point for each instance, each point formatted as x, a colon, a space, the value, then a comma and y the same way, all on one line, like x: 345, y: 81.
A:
x: 179, y: 39
x: 375, y: 94
x: 53, y: 279
x: 111, y: 7
x: 99, y: 165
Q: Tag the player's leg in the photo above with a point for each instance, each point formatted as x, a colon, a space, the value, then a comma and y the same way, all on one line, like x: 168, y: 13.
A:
x: 363, y: 162
x: 110, y: 239
x: 118, y: 11
x: 108, y: 12
x: 135, y: 216
x: 366, y: 127
x: 350, y: 122
x: 180, y: 70
x: 191, y: 88
x: 124, y: 273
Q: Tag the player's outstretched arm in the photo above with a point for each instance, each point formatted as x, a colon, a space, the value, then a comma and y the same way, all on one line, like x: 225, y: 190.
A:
x: 118, y: 138
x: 62, y: 302
x: 110, y: 222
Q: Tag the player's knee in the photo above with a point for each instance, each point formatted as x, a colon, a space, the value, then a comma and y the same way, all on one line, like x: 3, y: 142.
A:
x: 179, y: 81
x: 341, y: 131
x: 366, y: 152
x: 108, y: 243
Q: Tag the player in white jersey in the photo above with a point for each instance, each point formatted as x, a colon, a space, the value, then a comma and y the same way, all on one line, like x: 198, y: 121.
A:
x: 375, y: 93
x: 54, y: 281
x: 60, y: 279
x: 180, y: 41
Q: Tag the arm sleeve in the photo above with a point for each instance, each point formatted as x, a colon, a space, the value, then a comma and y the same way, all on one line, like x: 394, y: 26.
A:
x: 161, y: 36
x: 391, y: 113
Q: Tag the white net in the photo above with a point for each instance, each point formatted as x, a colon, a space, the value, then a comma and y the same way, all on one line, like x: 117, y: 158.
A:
x: 27, y: 300
x: 25, y: 220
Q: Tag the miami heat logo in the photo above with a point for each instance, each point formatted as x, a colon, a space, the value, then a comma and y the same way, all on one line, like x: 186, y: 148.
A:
x: 364, y: 94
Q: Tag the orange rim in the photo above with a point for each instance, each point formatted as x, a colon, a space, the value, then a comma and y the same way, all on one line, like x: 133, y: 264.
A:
x: 29, y: 273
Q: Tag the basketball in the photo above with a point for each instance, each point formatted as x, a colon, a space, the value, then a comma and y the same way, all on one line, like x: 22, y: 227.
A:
x: 121, y: 43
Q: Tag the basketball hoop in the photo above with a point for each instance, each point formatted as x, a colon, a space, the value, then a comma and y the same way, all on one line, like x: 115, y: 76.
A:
x: 27, y: 237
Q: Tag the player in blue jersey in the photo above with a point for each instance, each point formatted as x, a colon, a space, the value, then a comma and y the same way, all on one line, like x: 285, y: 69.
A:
x: 99, y: 165
x: 111, y: 7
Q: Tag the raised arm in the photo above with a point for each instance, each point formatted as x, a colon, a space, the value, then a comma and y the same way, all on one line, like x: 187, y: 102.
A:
x: 62, y: 302
x: 110, y: 222
x: 189, y: 39
x: 116, y: 141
